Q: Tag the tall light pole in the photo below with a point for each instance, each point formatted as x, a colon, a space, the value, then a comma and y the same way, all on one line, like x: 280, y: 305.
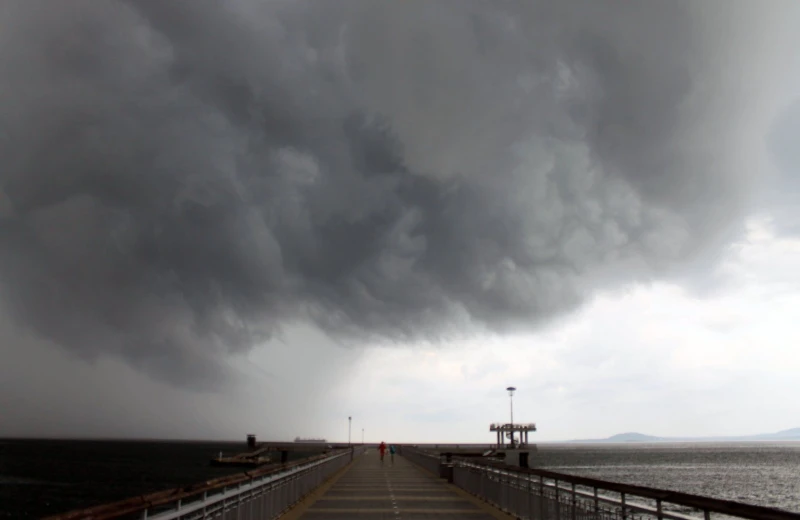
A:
x: 349, y: 428
x: 362, y: 436
x: 511, y: 391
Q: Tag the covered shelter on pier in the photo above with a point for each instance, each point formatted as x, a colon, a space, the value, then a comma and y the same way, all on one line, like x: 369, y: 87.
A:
x: 508, y: 430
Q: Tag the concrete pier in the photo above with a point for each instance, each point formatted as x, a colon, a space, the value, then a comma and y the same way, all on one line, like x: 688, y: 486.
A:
x: 371, y: 489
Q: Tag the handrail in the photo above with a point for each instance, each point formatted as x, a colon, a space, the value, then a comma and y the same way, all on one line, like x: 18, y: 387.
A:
x: 556, y: 489
x: 714, y: 505
x: 707, y: 505
x: 171, y: 496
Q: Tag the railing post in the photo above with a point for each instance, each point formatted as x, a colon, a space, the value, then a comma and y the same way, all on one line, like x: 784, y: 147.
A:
x: 622, y: 500
x: 239, y: 501
x: 558, y: 503
x: 541, y: 498
x: 530, y: 497
x: 506, y: 486
x: 597, y: 503
x: 707, y: 514
x: 512, y: 502
x: 659, y: 510
x: 144, y: 514
x: 574, y: 502
x: 270, y: 498
x: 481, y: 483
x: 262, y: 499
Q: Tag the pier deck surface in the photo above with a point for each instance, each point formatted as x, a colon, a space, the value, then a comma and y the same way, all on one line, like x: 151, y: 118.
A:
x: 370, y: 489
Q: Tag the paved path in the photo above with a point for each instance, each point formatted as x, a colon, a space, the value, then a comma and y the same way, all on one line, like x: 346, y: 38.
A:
x: 372, y: 489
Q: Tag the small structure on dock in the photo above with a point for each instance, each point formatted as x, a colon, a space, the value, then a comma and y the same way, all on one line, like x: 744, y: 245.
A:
x: 507, y: 431
x: 251, y: 441
x: 514, y: 453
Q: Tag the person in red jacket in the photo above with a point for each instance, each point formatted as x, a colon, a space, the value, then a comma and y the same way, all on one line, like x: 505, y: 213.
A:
x: 382, y: 449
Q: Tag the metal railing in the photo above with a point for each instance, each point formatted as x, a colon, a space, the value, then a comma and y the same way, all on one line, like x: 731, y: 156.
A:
x: 538, y: 494
x: 253, y: 495
x: 426, y: 459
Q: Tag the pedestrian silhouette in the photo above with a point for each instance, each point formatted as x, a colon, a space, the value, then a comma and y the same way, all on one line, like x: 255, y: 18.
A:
x: 382, y: 449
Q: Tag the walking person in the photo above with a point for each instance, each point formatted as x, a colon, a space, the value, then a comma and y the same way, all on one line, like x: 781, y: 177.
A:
x: 392, y: 451
x: 382, y: 449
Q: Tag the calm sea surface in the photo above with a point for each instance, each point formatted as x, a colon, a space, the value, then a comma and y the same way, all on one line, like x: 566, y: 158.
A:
x: 766, y: 474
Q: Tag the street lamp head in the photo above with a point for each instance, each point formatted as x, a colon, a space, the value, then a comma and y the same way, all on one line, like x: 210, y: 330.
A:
x: 511, y: 390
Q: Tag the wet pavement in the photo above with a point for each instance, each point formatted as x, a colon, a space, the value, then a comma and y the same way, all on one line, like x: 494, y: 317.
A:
x: 371, y: 489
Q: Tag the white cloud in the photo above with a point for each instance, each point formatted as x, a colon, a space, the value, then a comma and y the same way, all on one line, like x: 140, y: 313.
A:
x: 648, y: 358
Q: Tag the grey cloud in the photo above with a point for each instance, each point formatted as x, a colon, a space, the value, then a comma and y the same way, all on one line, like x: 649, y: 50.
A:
x: 783, y: 144
x: 784, y: 190
x: 48, y: 392
x: 180, y: 179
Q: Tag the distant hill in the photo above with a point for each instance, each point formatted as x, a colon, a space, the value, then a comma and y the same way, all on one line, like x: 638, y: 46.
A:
x: 792, y: 434
x: 632, y: 437
x: 624, y: 437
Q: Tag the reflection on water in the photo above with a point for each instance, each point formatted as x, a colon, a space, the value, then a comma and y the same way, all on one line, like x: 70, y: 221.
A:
x: 766, y: 474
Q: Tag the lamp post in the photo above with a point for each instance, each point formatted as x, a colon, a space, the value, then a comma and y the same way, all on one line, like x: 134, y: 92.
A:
x: 511, y: 391
x: 349, y: 428
x: 362, y: 436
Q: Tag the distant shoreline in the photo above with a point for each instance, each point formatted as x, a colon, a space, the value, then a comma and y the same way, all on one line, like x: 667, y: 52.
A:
x: 634, y: 437
x: 665, y: 441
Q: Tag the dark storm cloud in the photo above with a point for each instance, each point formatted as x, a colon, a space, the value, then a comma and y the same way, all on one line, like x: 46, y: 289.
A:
x: 181, y: 178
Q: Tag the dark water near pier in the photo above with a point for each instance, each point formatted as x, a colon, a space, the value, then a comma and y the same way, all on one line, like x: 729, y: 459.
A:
x: 43, y: 477
x: 766, y: 474
x: 39, y: 478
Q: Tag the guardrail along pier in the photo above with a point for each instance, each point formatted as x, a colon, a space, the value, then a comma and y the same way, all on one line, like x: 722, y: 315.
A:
x: 445, y: 482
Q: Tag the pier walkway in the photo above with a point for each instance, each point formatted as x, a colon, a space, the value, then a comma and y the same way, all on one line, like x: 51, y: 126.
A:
x: 353, y: 483
x: 370, y: 489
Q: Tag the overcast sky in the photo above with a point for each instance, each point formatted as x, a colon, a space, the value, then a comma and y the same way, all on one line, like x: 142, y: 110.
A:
x: 218, y: 219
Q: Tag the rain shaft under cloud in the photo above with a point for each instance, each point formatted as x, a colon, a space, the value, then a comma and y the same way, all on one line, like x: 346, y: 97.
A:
x: 181, y: 178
